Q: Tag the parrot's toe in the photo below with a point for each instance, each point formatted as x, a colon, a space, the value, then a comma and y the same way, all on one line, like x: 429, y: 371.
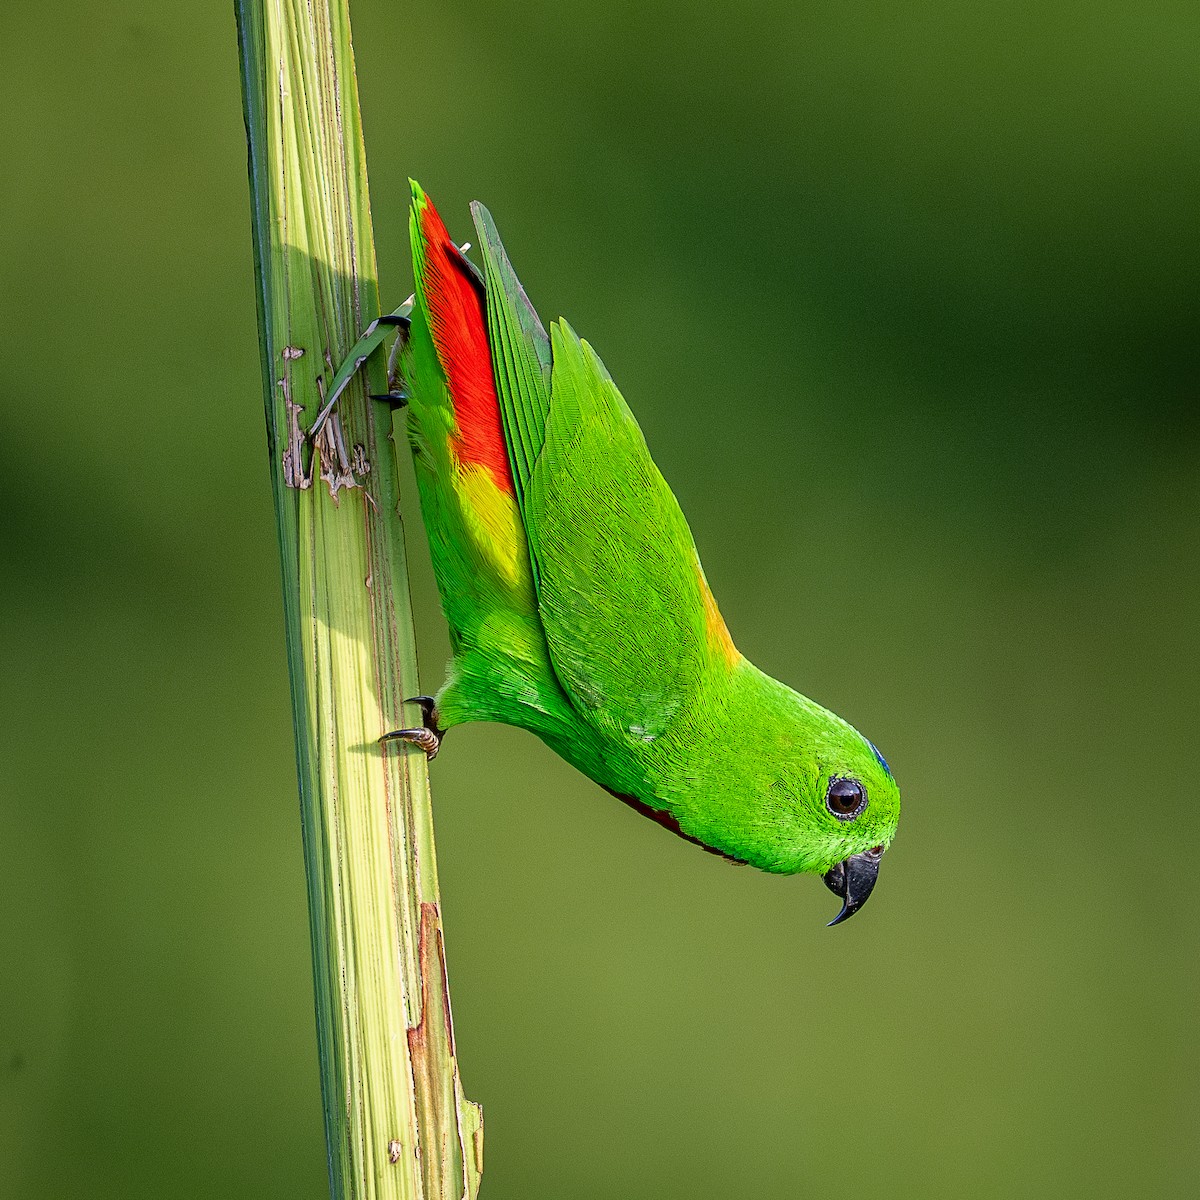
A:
x: 428, y: 737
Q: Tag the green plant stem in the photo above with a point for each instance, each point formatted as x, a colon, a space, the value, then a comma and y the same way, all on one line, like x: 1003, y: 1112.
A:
x: 397, y: 1124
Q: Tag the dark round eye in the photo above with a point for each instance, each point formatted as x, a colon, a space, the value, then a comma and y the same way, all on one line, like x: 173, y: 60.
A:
x: 845, y: 798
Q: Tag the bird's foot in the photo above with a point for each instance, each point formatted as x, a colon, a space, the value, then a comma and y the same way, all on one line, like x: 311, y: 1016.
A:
x: 372, y: 338
x: 428, y: 736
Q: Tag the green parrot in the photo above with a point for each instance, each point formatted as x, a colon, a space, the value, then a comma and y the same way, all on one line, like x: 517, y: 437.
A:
x: 576, y: 602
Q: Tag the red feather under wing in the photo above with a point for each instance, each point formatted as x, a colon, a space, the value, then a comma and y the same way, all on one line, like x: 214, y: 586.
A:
x: 459, y: 327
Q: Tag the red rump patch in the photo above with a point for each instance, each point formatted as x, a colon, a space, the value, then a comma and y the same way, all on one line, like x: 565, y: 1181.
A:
x: 459, y: 328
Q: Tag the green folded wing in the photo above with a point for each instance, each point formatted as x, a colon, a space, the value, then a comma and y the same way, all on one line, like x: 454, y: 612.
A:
x: 619, y: 586
x: 520, y: 353
x: 620, y: 591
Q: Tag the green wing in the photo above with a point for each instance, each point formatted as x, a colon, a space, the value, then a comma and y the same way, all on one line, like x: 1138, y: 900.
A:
x: 620, y: 591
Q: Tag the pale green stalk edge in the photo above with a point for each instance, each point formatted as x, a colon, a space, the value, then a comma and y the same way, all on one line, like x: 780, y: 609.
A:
x: 396, y: 1121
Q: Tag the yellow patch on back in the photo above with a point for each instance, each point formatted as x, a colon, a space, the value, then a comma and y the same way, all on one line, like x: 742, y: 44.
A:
x: 714, y: 623
x: 494, y: 523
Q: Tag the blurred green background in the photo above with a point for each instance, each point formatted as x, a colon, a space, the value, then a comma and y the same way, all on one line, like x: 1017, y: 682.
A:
x: 905, y: 299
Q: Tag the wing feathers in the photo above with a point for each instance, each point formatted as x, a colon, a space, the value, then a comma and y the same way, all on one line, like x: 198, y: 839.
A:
x: 521, y: 354
x: 619, y: 585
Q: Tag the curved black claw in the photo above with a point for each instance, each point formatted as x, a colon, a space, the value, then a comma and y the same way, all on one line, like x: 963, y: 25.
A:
x: 853, y: 880
x: 428, y: 737
x: 428, y: 713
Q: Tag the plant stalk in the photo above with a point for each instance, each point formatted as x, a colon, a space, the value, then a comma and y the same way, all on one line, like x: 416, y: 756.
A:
x: 396, y: 1121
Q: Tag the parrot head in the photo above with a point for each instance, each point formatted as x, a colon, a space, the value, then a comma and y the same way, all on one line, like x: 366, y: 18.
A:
x: 799, y: 791
x: 850, y: 812
x: 826, y: 800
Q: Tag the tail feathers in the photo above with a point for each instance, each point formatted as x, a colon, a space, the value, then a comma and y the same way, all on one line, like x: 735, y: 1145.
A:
x: 453, y: 297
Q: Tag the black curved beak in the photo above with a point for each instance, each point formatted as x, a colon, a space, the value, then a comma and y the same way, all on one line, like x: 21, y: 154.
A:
x: 853, y: 880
